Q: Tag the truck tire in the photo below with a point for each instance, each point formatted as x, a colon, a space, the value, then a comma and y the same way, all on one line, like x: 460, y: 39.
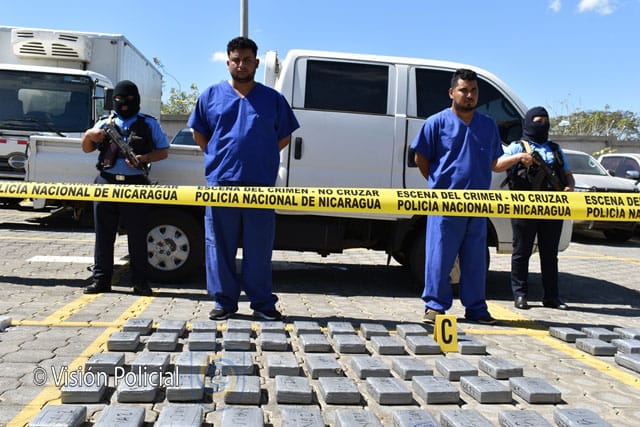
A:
x: 617, y: 235
x: 175, y: 245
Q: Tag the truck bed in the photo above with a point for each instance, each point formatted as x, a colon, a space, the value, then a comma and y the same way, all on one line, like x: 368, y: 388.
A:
x: 57, y: 159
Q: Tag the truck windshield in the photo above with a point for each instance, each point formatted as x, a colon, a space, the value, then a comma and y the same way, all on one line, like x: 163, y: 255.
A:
x: 44, y: 101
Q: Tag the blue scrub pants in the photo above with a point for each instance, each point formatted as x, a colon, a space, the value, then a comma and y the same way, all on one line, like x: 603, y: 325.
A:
x: 446, y: 238
x: 224, y: 227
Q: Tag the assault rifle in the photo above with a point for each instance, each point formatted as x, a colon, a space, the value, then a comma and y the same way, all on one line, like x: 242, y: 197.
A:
x: 545, y: 172
x: 112, y: 134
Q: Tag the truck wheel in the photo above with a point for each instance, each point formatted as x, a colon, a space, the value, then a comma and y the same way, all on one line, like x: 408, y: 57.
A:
x: 618, y: 235
x: 175, y: 245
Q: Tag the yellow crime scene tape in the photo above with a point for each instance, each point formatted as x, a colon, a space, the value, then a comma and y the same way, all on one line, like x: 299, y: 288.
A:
x: 486, y: 203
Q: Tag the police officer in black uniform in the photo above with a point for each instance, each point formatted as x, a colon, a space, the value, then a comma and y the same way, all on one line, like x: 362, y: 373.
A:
x: 546, y: 169
x: 149, y: 144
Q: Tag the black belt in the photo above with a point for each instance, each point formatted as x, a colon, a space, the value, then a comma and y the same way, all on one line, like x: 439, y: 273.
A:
x: 124, y: 179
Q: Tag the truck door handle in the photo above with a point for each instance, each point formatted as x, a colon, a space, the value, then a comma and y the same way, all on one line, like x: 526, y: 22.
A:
x: 297, y: 148
x: 411, y: 158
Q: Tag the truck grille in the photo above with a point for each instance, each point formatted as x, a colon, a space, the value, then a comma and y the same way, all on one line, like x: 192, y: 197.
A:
x: 7, y: 172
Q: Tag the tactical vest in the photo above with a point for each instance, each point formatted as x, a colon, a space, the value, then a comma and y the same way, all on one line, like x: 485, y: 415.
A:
x: 520, y: 177
x: 139, y: 138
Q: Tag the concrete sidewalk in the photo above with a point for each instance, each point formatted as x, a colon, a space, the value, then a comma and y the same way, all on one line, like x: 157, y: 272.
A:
x: 56, y: 329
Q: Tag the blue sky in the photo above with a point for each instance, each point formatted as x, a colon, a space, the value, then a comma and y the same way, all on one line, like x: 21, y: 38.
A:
x: 566, y: 55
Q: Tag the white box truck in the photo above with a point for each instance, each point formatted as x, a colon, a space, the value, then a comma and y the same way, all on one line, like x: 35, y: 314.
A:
x: 358, y: 115
x: 54, y: 83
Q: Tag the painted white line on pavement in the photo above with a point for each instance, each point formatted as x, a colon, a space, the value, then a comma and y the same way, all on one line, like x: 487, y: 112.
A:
x: 69, y: 259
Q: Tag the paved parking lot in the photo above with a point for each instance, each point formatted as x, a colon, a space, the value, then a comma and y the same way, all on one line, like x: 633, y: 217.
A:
x: 55, y: 327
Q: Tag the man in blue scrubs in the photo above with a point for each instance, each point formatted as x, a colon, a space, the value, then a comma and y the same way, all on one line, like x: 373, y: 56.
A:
x: 241, y: 126
x: 458, y: 148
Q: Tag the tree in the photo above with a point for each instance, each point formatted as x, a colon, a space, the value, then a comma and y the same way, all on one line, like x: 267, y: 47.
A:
x: 180, y: 102
x: 620, y: 125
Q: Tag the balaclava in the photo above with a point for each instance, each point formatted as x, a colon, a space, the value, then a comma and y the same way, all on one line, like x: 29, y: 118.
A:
x: 536, y: 131
x: 124, y: 89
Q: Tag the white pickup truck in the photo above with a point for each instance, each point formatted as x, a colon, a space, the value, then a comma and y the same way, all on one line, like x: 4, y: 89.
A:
x: 358, y: 115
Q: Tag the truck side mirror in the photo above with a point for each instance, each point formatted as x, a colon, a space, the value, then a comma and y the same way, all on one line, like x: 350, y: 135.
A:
x: 271, y: 68
x: 108, y: 99
x: 631, y: 174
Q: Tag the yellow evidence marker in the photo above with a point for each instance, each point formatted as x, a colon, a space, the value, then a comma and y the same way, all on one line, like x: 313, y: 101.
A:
x: 445, y: 333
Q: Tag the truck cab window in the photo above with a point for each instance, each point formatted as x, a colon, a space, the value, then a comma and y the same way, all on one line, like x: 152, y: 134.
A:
x: 346, y: 86
x: 495, y: 104
x: 432, y: 91
x: 45, y: 101
x: 432, y: 88
x: 100, y: 102
x: 10, y: 107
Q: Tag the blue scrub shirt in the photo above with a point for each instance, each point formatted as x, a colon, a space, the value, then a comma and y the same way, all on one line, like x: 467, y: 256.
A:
x: 243, y: 132
x: 460, y: 155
